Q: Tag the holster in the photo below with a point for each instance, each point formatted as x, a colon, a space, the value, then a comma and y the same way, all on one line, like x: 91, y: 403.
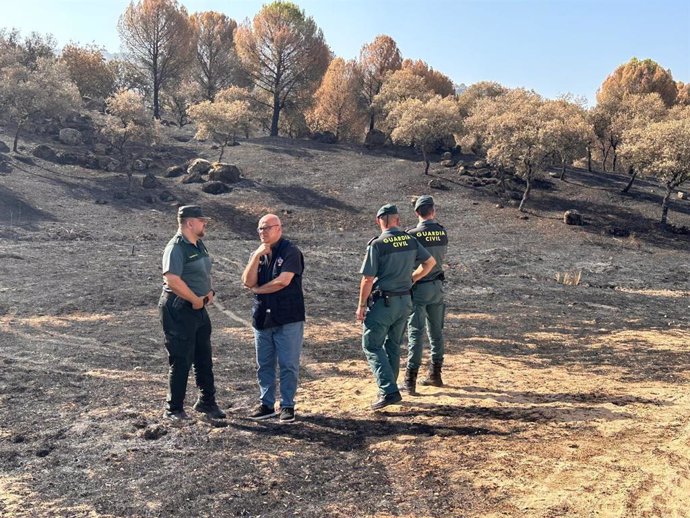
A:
x: 376, y: 295
x: 386, y: 296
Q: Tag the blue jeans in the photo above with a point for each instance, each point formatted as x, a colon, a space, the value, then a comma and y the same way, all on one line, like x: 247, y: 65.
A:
x: 284, y: 345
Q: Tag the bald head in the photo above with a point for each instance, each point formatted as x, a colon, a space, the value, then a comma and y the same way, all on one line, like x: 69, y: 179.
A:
x: 270, y: 229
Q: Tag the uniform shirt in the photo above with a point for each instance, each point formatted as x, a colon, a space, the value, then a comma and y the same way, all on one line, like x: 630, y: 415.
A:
x: 391, y: 259
x: 434, y: 238
x: 191, y: 263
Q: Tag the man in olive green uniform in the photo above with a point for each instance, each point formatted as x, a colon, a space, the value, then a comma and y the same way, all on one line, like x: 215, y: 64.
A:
x: 187, y: 289
x: 427, y: 299
x: 388, y: 272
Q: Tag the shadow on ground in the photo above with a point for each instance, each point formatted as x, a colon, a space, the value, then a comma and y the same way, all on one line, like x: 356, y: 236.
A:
x: 14, y: 210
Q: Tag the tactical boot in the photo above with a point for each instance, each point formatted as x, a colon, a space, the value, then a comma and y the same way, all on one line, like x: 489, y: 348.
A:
x: 386, y: 399
x: 177, y: 417
x: 411, y: 381
x: 433, y: 378
x: 210, y: 408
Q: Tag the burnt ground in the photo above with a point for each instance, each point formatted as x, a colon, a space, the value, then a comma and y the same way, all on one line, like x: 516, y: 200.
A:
x: 560, y: 400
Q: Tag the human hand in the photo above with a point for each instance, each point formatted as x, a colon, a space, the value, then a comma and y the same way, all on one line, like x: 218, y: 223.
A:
x: 198, y: 303
x: 264, y: 249
x: 361, y: 311
x: 209, y: 297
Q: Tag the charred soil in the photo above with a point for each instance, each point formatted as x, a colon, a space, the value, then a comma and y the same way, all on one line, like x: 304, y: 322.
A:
x: 562, y: 398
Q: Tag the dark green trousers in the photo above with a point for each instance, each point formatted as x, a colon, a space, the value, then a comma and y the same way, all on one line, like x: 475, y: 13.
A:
x: 429, y: 311
x: 382, y: 334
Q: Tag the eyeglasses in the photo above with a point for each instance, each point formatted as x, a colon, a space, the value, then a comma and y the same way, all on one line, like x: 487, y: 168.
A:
x: 266, y: 228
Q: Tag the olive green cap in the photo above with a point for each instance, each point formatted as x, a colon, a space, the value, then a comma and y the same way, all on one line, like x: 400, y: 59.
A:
x: 423, y: 200
x: 387, y: 210
x: 191, y: 211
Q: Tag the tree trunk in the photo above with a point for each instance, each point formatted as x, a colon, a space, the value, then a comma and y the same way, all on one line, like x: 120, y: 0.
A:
x: 664, y: 203
x: 525, y: 195
x: 605, y: 154
x: 276, y: 115
x: 615, y: 158
x: 222, y: 150
x: 156, y: 86
x: 371, y: 122
x: 562, y: 170
x: 589, y: 159
x: 502, y: 178
x: 156, y: 100
x: 633, y: 175
x: 130, y: 174
x: 426, y: 161
x: 16, y: 137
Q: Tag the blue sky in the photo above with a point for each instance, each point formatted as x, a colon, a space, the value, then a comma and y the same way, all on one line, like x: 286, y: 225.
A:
x: 551, y: 46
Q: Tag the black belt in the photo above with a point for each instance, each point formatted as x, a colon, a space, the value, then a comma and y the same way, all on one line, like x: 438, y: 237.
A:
x: 440, y: 277
x: 171, y: 295
x: 395, y: 293
x: 386, y: 295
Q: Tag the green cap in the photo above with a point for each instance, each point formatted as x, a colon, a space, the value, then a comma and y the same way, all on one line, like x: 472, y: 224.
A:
x: 423, y: 200
x: 387, y: 210
x: 191, y: 211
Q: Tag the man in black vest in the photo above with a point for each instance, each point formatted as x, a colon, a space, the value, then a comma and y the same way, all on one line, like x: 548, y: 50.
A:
x: 274, y: 274
x: 187, y: 289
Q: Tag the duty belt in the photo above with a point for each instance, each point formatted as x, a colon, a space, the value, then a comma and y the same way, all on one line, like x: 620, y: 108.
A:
x: 440, y: 277
x: 172, y: 295
x: 386, y: 295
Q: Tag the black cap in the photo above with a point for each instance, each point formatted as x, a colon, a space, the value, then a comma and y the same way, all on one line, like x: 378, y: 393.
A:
x: 423, y: 200
x: 190, y: 211
x: 387, y: 210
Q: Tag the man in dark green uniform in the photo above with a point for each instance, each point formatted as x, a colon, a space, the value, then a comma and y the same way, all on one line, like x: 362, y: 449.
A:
x: 388, y: 273
x: 187, y: 289
x: 427, y: 299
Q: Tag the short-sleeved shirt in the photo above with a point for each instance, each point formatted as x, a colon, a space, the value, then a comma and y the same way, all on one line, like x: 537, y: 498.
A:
x: 190, y: 262
x: 286, y: 305
x: 285, y: 257
x: 434, y: 238
x: 391, y: 258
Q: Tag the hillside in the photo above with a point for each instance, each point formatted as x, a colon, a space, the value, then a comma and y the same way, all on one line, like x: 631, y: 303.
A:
x: 561, y: 400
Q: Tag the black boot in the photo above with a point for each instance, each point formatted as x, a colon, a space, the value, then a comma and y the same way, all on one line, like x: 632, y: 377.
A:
x: 411, y: 381
x: 386, y: 399
x: 210, y: 408
x: 433, y: 378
